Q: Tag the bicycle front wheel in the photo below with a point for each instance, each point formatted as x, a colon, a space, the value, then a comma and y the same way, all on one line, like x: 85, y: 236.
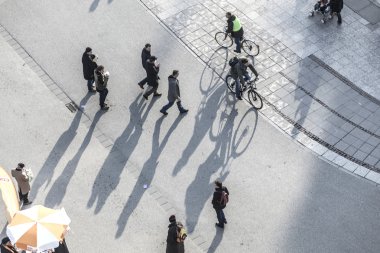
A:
x: 255, y: 99
x: 250, y: 47
x: 230, y: 83
x: 222, y: 40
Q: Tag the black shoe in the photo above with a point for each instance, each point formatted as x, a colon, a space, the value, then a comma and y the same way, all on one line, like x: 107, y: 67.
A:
x: 105, y: 108
x: 141, y: 85
x: 239, y: 98
x: 219, y: 225
x: 163, y: 112
x: 157, y: 95
x: 225, y: 221
x: 237, y: 51
x: 339, y: 22
x: 146, y: 98
x: 184, y: 111
x: 28, y: 203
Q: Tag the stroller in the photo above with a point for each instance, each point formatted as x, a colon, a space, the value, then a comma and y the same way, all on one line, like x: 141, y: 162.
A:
x: 322, y: 7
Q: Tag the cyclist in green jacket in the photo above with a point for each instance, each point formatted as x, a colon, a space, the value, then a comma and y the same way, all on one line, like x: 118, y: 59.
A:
x: 235, y: 28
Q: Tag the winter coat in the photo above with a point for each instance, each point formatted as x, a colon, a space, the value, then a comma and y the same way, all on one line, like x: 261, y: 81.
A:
x: 230, y: 26
x: 237, y: 71
x: 173, y: 91
x: 145, y: 55
x: 152, y: 73
x: 88, y: 66
x: 22, y: 180
x: 172, y: 246
x: 217, y: 197
x: 62, y: 248
x: 336, y: 5
x: 101, y: 80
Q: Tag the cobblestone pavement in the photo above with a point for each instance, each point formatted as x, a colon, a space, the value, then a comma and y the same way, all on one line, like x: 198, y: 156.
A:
x: 319, y: 81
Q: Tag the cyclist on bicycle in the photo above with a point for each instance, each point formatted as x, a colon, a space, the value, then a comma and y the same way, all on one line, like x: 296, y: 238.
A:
x: 235, y: 28
x: 239, y: 72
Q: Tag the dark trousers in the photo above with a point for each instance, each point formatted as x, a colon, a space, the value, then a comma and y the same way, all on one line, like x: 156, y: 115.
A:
x: 339, y: 17
x: 170, y: 104
x: 144, y: 81
x: 102, y: 96
x: 152, y: 88
x: 90, y: 82
x: 220, y: 216
x: 23, y: 197
x: 238, y: 44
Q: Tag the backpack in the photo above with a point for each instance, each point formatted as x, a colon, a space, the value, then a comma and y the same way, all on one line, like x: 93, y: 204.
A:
x: 181, y: 232
x: 223, y: 198
x: 233, y: 61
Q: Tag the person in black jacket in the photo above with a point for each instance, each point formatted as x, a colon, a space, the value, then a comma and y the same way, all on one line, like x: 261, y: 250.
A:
x: 173, y: 242
x: 145, y: 55
x: 89, y: 66
x: 152, y: 69
x: 336, y: 6
x: 6, y: 246
x: 219, y: 202
x: 235, y: 28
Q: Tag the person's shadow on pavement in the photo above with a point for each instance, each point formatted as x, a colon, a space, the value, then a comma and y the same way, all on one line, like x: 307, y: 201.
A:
x: 109, y: 175
x: 216, y: 241
x: 147, y: 172
x: 45, y: 174
x: 58, y: 189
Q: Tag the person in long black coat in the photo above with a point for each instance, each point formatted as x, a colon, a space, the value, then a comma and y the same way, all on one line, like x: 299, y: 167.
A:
x: 152, y: 69
x: 145, y: 55
x: 89, y: 65
x: 336, y: 6
x: 173, y: 245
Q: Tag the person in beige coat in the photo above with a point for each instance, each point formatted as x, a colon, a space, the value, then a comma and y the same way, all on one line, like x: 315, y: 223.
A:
x: 23, y: 183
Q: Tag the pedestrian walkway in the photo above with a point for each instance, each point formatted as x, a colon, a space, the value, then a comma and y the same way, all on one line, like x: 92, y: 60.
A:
x: 319, y: 81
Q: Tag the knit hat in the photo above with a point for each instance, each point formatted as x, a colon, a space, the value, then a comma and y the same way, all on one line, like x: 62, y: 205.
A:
x: 172, y: 218
x: 5, y: 240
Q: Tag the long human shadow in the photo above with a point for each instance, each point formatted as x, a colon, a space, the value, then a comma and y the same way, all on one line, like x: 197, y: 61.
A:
x: 59, y: 187
x: 46, y: 172
x: 109, y: 175
x: 95, y: 5
x: 212, y: 92
x: 216, y: 241
x: 147, y: 173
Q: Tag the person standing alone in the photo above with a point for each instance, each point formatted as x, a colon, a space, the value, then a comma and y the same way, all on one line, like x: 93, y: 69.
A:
x: 101, y: 81
x: 176, y: 236
x: 173, y: 94
x: 89, y: 65
x: 219, y: 202
x: 23, y: 183
x: 145, y: 55
x: 152, y: 69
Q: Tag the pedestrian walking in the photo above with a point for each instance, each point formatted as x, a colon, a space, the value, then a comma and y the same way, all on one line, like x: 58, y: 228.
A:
x: 101, y: 81
x: 235, y: 28
x: 6, y: 246
x: 336, y: 7
x: 145, y: 55
x: 62, y: 247
x: 23, y: 183
x: 173, y: 94
x: 219, y: 202
x: 152, y: 69
x: 89, y: 65
x: 176, y: 236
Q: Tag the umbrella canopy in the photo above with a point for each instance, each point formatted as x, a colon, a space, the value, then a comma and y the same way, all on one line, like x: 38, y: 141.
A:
x: 38, y: 228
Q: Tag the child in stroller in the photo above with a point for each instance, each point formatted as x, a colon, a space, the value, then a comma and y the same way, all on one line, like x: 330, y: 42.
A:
x: 323, y: 7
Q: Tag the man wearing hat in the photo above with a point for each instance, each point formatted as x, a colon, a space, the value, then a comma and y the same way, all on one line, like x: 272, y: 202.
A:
x: 23, y: 183
x: 152, y: 69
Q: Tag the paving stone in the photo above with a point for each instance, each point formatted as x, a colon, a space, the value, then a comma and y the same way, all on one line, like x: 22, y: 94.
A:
x: 360, y: 155
x: 373, y: 176
x: 361, y: 171
x: 371, y: 160
x: 351, y: 166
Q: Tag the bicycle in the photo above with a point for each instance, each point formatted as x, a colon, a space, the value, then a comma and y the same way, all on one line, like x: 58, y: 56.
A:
x: 226, y: 41
x: 254, y: 98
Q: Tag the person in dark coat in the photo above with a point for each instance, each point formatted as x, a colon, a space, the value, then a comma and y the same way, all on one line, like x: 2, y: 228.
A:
x: 219, y: 203
x: 152, y: 69
x: 101, y: 81
x: 89, y: 66
x: 62, y: 248
x: 6, y: 246
x: 145, y: 55
x: 173, y: 94
x: 173, y: 243
x: 336, y: 6
x: 235, y: 28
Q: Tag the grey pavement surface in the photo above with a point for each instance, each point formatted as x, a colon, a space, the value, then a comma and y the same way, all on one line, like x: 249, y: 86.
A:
x: 283, y: 197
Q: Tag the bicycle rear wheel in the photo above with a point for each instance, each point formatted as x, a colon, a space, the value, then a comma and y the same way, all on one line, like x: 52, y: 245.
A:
x: 250, y: 47
x: 230, y: 83
x: 222, y: 40
x: 255, y: 99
